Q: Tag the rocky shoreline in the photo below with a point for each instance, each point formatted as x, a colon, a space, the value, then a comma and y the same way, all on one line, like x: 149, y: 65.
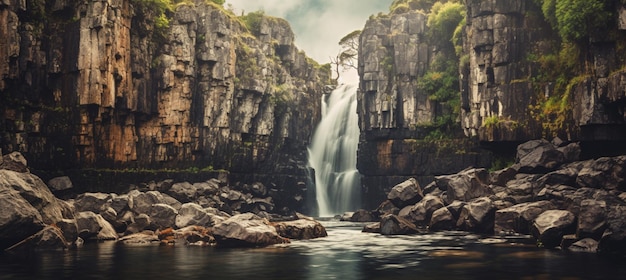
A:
x: 548, y: 193
x: 209, y: 213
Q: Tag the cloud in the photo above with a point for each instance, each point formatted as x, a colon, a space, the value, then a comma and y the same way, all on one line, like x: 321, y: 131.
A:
x: 317, y: 24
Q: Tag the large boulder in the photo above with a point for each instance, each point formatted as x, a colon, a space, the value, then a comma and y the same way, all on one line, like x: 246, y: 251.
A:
x: 141, y: 203
x: 18, y: 219
x: 363, y: 216
x: 92, y: 226
x: 477, y: 216
x: 94, y: 202
x: 193, y: 214
x: 58, y: 184
x: 465, y: 185
x: 183, y: 192
x: 538, y: 156
x: 420, y: 213
x: 604, y: 173
x: 613, y: 239
x: 442, y: 219
x: 301, y: 229
x: 35, y: 191
x: 591, y: 219
x: 550, y: 227
x: 245, y: 230
x: 394, y: 225
x: 163, y: 215
x: 49, y: 238
x: 405, y: 193
x: 518, y: 218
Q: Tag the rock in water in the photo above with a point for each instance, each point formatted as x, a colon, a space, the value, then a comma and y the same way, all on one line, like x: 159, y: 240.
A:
x: 18, y: 219
x: 245, y: 230
x: 300, y: 229
x: 49, y: 238
x: 392, y: 225
x: 551, y: 225
x: 405, y: 193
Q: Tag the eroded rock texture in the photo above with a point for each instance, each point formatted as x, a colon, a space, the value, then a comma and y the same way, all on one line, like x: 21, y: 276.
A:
x: 95, y: 84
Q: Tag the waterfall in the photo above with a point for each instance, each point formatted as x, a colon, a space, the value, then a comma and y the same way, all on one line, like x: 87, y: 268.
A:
x: 332, y: 154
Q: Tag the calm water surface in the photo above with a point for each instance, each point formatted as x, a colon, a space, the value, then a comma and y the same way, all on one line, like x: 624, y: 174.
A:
x: 345, y: 254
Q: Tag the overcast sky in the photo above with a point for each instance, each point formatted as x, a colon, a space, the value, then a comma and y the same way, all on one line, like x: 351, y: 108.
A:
x: 317, y: 24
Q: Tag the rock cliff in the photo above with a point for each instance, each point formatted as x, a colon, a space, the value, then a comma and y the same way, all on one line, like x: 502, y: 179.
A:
x: 101, y: 84
x: 509, y: 84
x: 396, y: 114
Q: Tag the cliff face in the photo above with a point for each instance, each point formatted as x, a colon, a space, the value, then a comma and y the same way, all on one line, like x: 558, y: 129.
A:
x: 90, y: 84
x: 396, y: 114
x: 503, y: 84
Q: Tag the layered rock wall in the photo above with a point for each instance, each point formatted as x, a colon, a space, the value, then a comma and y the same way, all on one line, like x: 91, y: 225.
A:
x: 96, y: 84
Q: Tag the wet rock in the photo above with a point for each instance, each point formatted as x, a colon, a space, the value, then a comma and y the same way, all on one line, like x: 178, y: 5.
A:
x: 591, y: 219
x: 550, y: 227
x: 58, y: 184
x: 140, y: 238
x: 193, y: 214
x: 588, y: 245
x: 466, y: 185
x: 94, y: 202
x: 477, y: 216
x: 246, y: 230
x: 301, y: 229
x: 519, y: 218
x: 405, y: 193
x: 49, y: 238
x: 442, y: 219
x: 613, y: 239
x: 372, y: 228
x: 18, y: 219
x: 92, y: 226
x: 395, y: 225
x: 363, y: 216
x: 69, y: 228
x: 196, y: 236
x: 538, y: 156
x: 420, y: 213
x: 163, y: 215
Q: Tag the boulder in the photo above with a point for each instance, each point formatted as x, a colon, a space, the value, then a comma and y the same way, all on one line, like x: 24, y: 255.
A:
x: 92, y: 226
x: 591, y: 219
x: 139, y: 223
x: 35, y: 192
x: 420, y: 213
x: 193, y: 214
x: 477, y: 216
x: 163, y: 215
x: 372, y: 228
x: 14, y: 161
x: 246, y: 230
x: 538, y: 156
x: 442, y: 219
x: 140, y: 239
x: 571, y: 152
x: 405, y: 193
x: 386, y: 207
x: 119, y: 203
x: 395, y: 225
x: 519, y: 218
x: 207, y: 188
x: 550, y: 227
x: 18, y: 219
x: 613, y: 239
x: 587, y: 245
x: 49, y: 238
x: 466, y: 185
x: 60, y: 184
x: 141, y: 203
x: 300, y: 229
x: 604, y: 173
x: 183, y: 192
x: 196, y: 235
x: 69, y: 228
x: 94, y: 202
x: 363, y: 216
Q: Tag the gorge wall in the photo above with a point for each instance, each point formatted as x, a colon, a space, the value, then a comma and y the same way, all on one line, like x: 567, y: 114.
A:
x: 100, y: 84
x: 517, y: 80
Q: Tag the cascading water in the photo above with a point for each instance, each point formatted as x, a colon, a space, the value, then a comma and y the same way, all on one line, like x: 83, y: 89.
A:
x: 332, y: 154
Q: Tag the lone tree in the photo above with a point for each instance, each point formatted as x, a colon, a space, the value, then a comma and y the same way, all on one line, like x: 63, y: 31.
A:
x: 348, y: 56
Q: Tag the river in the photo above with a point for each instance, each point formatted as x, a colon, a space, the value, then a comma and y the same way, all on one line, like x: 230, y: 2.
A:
x: 346, y: 253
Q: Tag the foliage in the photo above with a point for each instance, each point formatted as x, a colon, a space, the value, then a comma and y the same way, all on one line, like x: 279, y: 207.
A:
x: 444, y: 21
x: 348, y: 56
x: 575, y: 20
x: 253, y: 21
x: 415, y: 5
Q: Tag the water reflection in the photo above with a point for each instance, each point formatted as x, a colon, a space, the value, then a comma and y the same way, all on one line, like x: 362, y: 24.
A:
x: 345, y: 254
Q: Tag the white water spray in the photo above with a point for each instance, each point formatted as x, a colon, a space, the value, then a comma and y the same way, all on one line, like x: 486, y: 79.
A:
x: 333, y: 154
